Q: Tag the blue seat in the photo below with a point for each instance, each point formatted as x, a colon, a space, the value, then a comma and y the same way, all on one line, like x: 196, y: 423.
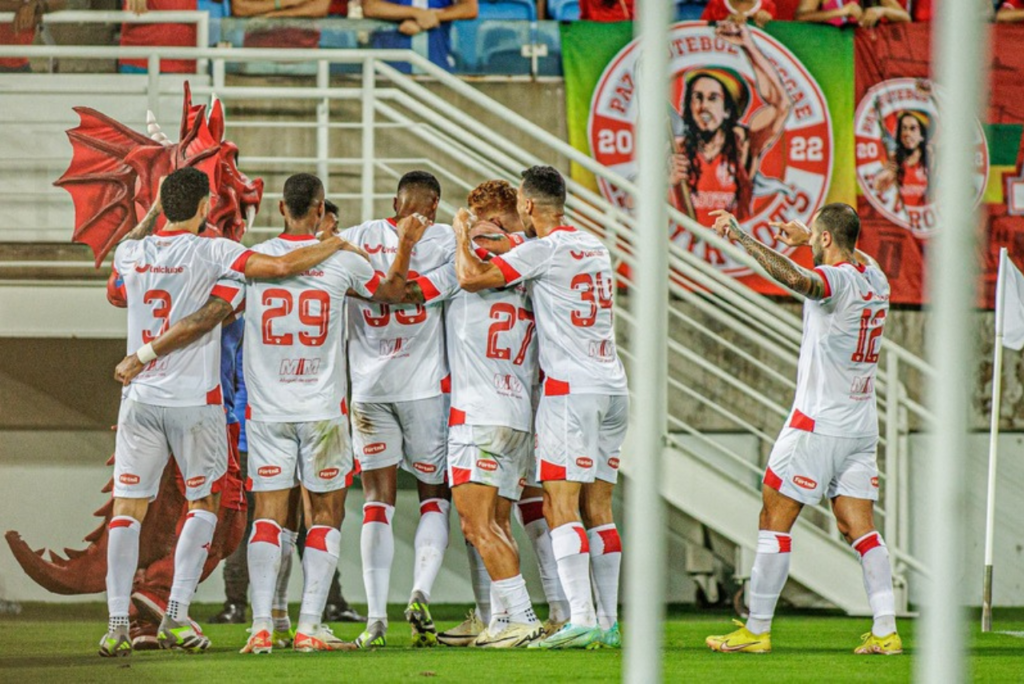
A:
x: 507, y: 9
x: 216, y: 10
x: 689, y: 11
x: 564, y: 10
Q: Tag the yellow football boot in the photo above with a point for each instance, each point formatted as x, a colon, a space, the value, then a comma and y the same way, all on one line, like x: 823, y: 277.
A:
x: 741, y: 641
x: 876, y: 645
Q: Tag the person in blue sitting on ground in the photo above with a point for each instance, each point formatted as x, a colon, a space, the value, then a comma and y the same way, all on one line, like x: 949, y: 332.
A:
x: 414, y: 17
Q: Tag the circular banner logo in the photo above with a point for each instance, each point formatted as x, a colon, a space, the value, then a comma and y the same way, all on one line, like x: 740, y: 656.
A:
x: 751, y: 132
x: 895, y: 127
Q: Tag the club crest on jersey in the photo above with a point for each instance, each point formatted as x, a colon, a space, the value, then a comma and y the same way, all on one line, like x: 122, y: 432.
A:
x: 268, y: 471
x: 328, y: 473
x: 374, y: 448
x: 194, y: 482
x: 294, y: 367
x: 424, y: 467
x: 804, y: 482
x: 487, y: 464
x: 508, y: 384
x: 128, y: 479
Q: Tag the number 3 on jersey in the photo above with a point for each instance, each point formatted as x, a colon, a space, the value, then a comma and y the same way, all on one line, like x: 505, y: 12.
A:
x: 314, y: 311
x: 596, y: 292
x: 505, y: 316
x: 161, y: 312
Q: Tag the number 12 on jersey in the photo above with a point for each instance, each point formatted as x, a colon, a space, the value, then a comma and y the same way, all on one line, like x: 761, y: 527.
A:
x: 868, y: 338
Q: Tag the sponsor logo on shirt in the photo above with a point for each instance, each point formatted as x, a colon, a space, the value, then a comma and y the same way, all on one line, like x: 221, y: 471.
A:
x: 166, y: 270
x: 424, y: 467
x: 328, y: 473
x: 582, y: 254
x: 522, y: 482
x: 194, y: 482
x: 613, y: 463
x: 874, y: 482
x: 374, y: 448
x: 379, y: 249
x: 603, y: 350
x: 508, y: 384
x: 268, y: 471
x: 128, y: 479
x: 584, y: 462
x: 804, y: 482
x: 488, y: 465
x: 862, y: 385
x: 394, y: 347
x: 313, y: 274
x: 294, y: 367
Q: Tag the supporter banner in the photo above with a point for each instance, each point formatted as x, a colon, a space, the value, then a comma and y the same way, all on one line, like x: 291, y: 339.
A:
x: 898, y: 114
x: 761, y: 121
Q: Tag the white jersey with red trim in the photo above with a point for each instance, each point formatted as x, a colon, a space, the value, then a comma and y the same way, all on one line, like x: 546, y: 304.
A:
x: 166, y: 277
x: 397, y: 351
x: 569, y: 279
x: 492, y: 352
x: 294, y: 340
x: 835, y: 392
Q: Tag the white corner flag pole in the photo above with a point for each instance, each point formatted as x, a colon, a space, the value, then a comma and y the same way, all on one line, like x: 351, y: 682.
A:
x: 993, y: 443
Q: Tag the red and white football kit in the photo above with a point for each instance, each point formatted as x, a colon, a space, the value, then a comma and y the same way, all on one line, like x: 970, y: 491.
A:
x: 492, y: 354
x: 583, y: 413
x: 174, y: 405
x: 398, y: 365
x: 828, y: 445
x: 914, y: 188
x: 297, y: 425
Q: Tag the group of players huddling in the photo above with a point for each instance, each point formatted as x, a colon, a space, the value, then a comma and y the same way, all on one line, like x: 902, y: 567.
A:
x: 482, y: 361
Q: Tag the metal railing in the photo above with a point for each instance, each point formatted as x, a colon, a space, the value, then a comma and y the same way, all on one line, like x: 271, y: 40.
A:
x: 753, y: 341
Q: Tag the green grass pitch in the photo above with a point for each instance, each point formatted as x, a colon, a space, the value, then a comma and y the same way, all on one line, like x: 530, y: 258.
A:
x: 50, y: 642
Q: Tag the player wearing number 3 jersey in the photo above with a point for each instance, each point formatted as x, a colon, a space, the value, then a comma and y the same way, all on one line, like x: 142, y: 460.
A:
x: 583, y: 413
x: 827, y: 447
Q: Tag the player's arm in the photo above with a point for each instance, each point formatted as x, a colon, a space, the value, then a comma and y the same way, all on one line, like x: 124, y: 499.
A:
x: 779, y: 266
x: 809, y: 10
x: 178, y: 336
x: 474, y: 274
x: 392, y: 289
x: 460, y: 9
x: 1008, y: 14
x: 796, y: 234
x: 265, y: 267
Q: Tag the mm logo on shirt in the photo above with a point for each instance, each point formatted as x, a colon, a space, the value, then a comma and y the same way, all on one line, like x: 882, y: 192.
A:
x: 300, y: 366
x: 128, y: 479
x: 804, y: 482
x: 488, y: 465
x: 393, y: 347
x: 328, y: 473
x: 269, y: 471
x: 584, y: 462
x: 194, y: 482
x: 603, y: 350
x: 506, y: 383
x: 165, y: 270
x: 424, y: 467
x: 374, y: 448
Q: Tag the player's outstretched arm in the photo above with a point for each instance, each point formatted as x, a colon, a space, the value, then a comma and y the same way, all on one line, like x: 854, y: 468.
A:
x: 779, y: 266
x: 392, y: 290
x: 178, y: 336
x: 796, y: 234
x: 474, y: 274
x: 148, y: 222
x: 266, y: 267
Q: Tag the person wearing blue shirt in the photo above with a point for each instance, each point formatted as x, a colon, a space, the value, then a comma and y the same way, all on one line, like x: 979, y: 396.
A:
x: 415, y: 17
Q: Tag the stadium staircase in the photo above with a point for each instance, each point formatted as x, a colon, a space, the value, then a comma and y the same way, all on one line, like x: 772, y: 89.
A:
x: 732, y: 352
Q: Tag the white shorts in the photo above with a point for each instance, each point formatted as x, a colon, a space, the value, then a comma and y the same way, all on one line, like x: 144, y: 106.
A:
x: 147, y: 435
x: 411, y: 433
x: 317, y: 454
x: 579, y: 436
x: 490, y: 455
x: 804, y: 466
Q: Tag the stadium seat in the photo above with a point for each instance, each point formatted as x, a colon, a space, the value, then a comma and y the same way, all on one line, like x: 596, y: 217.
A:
x: 508, y: 9
x: 689, y: 11
x: 564, y: 10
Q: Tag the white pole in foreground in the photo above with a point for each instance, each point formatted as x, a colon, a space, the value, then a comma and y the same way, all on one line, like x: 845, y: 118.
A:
x: 960, y: 66
x: 645, y: 512
x: 993, y: 442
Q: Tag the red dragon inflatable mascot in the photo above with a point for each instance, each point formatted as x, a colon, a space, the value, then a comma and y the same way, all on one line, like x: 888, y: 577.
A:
x: 113, y: 180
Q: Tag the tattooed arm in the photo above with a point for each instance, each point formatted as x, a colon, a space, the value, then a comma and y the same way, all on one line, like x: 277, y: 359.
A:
x: 796, y: 234
x: 779, y: 266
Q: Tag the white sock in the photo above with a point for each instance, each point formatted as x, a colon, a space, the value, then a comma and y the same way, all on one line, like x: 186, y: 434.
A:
x: 377, y: 544
x: 767, y: 578
x: 572, y: 553
x: 122, y: 561
x: 516, y: 599
x: 481, y: 583
x: 189, y: 557
x: 319, y: 561
x: 430, y: 543
x: 605, y: 562
x: 530, y: 513
x: 874, y: 561
x: 499, y: 612
x: 264, y: 554
x: 284, y: 574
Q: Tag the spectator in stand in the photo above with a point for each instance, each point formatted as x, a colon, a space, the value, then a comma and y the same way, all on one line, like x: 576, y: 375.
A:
x: 1010, y: 12
x: 865, y: 13
x: 286, y: 36
x: 607, y: 10
x: 415, y: 17
x: 739, y: 11
x: 175, y: 35
x: 22, y: 31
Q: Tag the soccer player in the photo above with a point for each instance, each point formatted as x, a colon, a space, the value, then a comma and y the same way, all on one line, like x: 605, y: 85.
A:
x: 827, y: 447
x: 583, y: 413
x: 174, y: 405
x: 400, y: 410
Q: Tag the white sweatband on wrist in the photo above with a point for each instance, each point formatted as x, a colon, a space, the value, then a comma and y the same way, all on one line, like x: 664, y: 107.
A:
x: 146, y: 353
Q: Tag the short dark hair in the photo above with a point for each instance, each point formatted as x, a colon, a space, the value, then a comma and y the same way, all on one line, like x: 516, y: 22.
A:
x: 181, y: 193
x: 420, y: 180
x: 331, y: 208
x: 300, y: 192
x: 842, y: 222
x: 545, y: 185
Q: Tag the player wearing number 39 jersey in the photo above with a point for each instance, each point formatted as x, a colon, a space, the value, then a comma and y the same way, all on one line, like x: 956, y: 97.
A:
x: 174, y: 405
x: 827, y: 447
x: 583, y: 413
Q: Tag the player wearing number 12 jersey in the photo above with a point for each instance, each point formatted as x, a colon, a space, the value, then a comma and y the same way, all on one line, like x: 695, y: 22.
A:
x: 173, y: 405
x: 583, y: 413
x: 827, y: 447
x: 400, y: 410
